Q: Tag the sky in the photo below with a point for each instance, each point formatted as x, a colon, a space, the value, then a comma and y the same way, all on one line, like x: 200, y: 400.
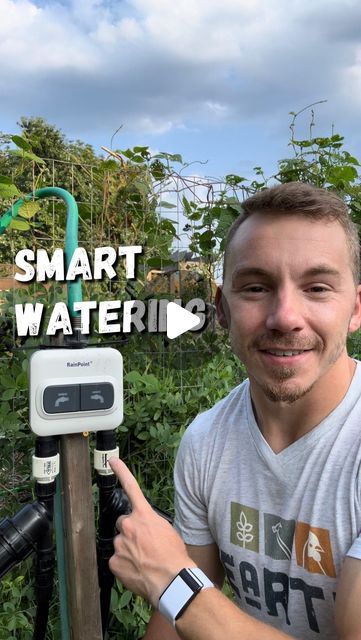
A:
x: 212, y: 80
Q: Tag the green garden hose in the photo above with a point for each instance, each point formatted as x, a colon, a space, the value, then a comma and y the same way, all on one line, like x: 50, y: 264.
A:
x: 74, y: 294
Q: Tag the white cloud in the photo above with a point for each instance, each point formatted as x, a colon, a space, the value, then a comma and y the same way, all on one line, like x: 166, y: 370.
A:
x: 154, y: 125
x: 217, y: 108
x: 157, y: 66
x: 125, y: 31
x: 40, y: 40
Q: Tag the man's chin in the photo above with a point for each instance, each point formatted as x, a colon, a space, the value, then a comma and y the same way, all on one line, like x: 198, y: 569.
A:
x: 287, y: 393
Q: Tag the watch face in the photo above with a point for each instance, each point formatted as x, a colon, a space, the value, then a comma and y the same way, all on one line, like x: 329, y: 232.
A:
x: 191, y: 580
x: 181, y: 591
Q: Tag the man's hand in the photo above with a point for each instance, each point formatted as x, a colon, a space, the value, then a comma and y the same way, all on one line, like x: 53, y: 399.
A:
x: 148, y: 553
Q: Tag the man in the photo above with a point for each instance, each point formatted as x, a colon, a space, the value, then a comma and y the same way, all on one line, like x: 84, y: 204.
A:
x: 267, y: 486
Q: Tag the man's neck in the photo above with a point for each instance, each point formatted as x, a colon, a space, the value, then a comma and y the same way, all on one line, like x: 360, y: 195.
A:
x: 282, y: 423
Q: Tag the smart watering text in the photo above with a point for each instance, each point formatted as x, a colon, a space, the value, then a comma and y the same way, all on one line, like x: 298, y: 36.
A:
x: 114, y: 316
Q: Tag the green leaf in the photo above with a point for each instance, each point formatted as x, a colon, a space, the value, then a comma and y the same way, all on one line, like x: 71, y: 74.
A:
x: 28, y: 155
x: 337, y: 174
x: 125, y: 599
x: 113, y: 600
x: 25, y: 365
x: 175, y: 157
x: 22, y: 380
x: 141, y: 187
x: 187, y: 206
x: 144, y: 435
x: 133, y: 376
x: 19, y: 225
x: 167, y: 225
x: 303, y: 143
x: 350, y: 159
x: 21, y: 143
x: 5, y: 180
x: 232, y: 179
x: 12, y: 624
x: 172, y: 157
x: 138, y: 159
x: 144, y: 151
x: 151, y: 382
x: 109, y: 165
x: 123, y: 429
x: 128, y: 153
x: 225, y: 222
x: 196, y: 215
x: 337, y: 138
x: 4, y: 409
x: 158, y: 170
x: 8, y: 394
x: 206, y: 236
x: 22, y: 620
x: 29, y: 209
x: 8, y: 190
x: 207, y: 241
x: 167, y: 205
x: 7, y: 382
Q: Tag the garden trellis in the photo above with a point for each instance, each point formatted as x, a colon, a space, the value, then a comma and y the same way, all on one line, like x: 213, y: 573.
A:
x: 163, y: 379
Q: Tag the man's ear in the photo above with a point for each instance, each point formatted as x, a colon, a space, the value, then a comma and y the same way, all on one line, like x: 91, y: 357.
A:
x: 355, y: 320
x: 222, y: 308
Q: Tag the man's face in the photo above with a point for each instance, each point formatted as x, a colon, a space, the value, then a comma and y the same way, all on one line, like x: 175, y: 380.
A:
x: 289, y: 301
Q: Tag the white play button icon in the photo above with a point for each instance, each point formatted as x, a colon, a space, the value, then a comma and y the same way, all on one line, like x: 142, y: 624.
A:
x: 179, y: 320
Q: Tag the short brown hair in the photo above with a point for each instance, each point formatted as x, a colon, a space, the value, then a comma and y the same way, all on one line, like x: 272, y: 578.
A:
x: 301, y: 199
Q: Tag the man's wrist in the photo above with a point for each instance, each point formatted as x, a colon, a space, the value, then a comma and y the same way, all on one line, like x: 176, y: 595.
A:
x: 181, y: 591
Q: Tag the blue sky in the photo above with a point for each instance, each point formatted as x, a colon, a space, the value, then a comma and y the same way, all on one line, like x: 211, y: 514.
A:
x: 213, y: 80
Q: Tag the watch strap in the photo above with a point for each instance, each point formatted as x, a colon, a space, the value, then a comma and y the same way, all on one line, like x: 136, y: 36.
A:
x: 181, y: 591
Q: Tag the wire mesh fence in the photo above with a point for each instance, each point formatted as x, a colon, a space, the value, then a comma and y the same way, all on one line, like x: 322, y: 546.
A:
x: 166, y: 382
x: 163, y: 378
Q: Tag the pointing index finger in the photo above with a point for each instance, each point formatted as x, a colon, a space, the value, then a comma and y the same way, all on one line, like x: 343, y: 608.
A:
x: 129, y: 484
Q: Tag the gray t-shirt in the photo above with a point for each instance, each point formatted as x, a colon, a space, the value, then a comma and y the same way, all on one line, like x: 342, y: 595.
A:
x: 283, y: 522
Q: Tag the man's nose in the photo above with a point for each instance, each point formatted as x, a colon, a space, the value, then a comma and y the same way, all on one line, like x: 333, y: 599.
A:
x: 286, y: 312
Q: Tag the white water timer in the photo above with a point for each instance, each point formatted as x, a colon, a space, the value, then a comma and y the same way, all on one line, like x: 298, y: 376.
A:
x: 75, y: 390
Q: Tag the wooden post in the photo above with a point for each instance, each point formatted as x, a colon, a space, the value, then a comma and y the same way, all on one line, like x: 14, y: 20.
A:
x: 80, y: 546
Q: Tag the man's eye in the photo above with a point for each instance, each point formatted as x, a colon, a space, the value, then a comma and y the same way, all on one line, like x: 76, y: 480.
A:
x: 318, y: 288
x: 255, y: 288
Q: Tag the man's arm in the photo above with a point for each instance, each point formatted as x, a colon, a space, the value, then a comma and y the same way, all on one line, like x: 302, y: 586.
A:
x: 212, y: 616
x: 206, y: 558
x: 148, y: 554
x: 348, y: 601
